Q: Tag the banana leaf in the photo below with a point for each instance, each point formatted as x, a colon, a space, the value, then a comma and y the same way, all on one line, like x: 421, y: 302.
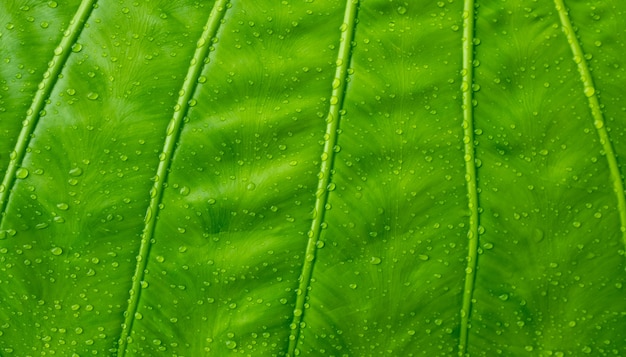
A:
x: 312, y: 177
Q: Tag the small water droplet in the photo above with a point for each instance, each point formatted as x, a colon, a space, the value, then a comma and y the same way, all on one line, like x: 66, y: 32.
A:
x: 92, y: 95
x: 375, y: 260
x: 56, y: 251
x: 401, y: 10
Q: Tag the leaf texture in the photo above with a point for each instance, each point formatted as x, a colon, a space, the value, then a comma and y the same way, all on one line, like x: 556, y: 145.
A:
x: 355, y: 178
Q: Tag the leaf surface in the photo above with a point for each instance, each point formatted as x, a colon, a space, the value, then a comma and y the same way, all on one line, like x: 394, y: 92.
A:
x: 312, y: 178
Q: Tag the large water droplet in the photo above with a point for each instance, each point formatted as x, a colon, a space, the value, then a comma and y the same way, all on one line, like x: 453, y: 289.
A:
x: 21, y: 173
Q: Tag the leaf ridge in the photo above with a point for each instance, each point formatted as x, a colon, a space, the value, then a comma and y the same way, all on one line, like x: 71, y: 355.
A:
x: 339, y: 85
x: 596, y: 111
x: 470, y: 170
x: 33, y: 114
x: 200, y: 57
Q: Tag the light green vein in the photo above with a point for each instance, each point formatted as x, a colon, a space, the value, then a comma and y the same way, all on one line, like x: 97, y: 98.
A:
x: 328, y: 155
x: 596, y: 111
x: 470, y: 171
x: 173, y: 132
x: 50, y: 78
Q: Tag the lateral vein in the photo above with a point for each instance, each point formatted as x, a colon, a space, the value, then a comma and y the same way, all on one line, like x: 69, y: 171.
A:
x: 470, y: 171
x: 33, y: 114
x: 174, y: 127
x: 596, y: 111
x: 327, y: 158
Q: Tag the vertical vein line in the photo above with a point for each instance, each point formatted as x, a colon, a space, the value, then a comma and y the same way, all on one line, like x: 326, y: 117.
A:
x: 33, y: 114
x: 596, y: 112
x: 328, y: 155
x: 470, y: 170
x: 181, y: 108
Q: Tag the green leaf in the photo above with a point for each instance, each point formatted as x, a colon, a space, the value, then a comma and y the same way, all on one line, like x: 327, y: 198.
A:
x: 273, y: 178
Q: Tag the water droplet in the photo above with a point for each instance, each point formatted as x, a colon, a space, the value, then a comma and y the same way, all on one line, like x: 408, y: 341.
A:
x: 251, y: 186
x: 375, y: 260
x: 92, y: 95
x: 230, y: 344
x: 184, y: 190
x: 401, y: 10
x: 589, y: 91
x: 63, y: 206
x: 56, y: 251
x: 21, y: 173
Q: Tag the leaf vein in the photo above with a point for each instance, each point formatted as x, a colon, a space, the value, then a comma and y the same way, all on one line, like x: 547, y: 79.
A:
x: 33, y: 114
x: 327, y: 159
x: 596, y: 112
x: 470, y: 170
x: 203, y: 48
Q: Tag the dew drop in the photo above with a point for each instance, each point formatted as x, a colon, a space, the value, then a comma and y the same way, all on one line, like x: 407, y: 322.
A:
x: 93, y: 96
x: 56, y: 251
x: 21, y: 173
x: 401, y: 10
